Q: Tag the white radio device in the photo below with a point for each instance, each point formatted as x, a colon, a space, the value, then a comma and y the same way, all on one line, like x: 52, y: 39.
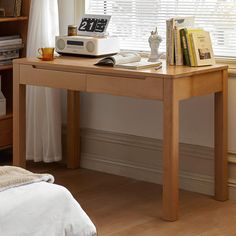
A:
x: 85, y: 45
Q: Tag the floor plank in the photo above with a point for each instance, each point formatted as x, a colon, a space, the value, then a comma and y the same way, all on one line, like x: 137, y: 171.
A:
x: 121, y: 206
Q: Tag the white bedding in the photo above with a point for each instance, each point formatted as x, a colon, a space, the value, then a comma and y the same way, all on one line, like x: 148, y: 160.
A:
x: 42, y: 209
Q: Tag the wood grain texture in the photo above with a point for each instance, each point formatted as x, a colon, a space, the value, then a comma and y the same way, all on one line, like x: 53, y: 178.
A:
x: 6, y: 67
x: 86, y: 65
x: 13, y: 19
x: 19, y: 119
x: 169, y: 84
x: 25, y: 9
x: 148, y: 88
x: 198, y: 85
x: 6, y: 130
x: 221, y: 138
x: 12, y: 26
x: 206, y: 83
x: 73, y: 129
x: 52, y: 78
x: 121, y: 206
x: 170, y: 152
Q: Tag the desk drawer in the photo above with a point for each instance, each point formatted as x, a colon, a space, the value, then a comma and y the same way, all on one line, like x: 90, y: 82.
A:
x: 147, y: 88
x: 6, y: 132
x: 52, y: 78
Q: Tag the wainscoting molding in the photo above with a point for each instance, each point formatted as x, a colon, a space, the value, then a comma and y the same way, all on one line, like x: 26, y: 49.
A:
x: 141, y: 158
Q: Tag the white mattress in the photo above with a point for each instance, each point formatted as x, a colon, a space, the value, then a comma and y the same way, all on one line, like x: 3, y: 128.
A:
x: 42, y: 209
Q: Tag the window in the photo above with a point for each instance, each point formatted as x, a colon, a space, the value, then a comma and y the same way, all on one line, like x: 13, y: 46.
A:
x: 132, y: 20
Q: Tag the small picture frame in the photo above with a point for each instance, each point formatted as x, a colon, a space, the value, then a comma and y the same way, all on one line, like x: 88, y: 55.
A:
x: 10, y: 8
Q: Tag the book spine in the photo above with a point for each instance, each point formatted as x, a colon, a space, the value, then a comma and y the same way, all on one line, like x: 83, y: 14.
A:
x: 172, y: 44
x: 175, y: 45
x: 10, y: 42
x: 190, y: 48
x: 18, y: 4
x: 184, y: 47
x: 178, y: 48
x: 7, y: 55
x: 193, y: 50
x: 169, y: 42
x: 5, y: 62
x: 2, y: 38
x: 11, y: 47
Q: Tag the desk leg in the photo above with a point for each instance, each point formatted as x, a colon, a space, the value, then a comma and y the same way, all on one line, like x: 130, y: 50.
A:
x: 19, y: 119
x: 221, y: 161
x: 170, y: 153
x: 73, y: 129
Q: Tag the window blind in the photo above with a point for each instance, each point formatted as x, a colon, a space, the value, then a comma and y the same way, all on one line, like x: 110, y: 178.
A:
x: 132, y: 20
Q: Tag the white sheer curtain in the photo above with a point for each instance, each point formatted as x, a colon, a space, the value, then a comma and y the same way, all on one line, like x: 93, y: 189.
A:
x: 43, y: 138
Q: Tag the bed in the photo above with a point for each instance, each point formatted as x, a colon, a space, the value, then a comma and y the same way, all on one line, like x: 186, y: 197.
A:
x: 42, y: 209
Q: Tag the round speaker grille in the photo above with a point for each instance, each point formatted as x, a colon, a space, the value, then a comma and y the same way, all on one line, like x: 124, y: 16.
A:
x: 90, y: 46
x: 61, y: 44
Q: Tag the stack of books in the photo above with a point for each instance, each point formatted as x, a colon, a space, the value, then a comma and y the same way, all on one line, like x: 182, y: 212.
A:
x: 10, y: 48
x: 187, y: 45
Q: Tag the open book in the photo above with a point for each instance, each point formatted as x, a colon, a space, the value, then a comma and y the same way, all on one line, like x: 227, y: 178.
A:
x: 144, y: 63
x: 127, y: 60
x: 120, y: 58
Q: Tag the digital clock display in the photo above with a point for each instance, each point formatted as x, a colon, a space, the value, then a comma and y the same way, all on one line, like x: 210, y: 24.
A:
x: 77, y: 43
x: 93, y: 24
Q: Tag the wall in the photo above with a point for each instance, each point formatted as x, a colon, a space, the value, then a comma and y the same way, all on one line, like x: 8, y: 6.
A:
x: 232, y: 114
x: 123, y: 136
x: 66, y: 14
x: 144, y: 118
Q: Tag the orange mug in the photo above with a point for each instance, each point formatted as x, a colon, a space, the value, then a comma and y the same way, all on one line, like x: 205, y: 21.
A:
x: 47, y: 54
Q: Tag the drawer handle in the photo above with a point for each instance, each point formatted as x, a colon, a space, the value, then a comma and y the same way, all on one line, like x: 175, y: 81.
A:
x: 52, y: 70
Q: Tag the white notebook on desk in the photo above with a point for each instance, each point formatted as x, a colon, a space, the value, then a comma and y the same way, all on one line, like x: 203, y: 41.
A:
x: 143, y: 64
x: 127, y: 60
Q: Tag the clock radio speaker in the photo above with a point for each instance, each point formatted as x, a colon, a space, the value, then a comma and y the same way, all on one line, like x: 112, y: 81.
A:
x: 90, y: 46
x: 61, y: 44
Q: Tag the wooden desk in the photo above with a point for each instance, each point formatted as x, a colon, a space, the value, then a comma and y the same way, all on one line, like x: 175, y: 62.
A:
x: 169, y: 85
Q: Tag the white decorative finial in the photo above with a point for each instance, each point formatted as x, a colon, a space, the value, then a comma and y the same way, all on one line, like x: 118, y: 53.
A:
x: 154, y: 43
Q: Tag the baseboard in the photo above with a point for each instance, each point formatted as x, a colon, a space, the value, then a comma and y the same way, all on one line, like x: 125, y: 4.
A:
x: 192, y: 182
x: 141, y: 158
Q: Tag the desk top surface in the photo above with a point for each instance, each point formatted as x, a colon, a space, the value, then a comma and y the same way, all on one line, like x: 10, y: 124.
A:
x: 86, y: 65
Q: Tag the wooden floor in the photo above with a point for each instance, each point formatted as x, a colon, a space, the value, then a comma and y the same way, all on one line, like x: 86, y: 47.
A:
x: 120, y: 206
